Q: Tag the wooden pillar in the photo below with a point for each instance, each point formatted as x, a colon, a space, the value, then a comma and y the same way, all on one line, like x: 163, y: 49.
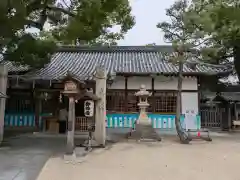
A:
x: 235, y: 112
x: 3, y: 89
x: 229, y: 118
x: 100, y: 112
x: 71, y: 126
x: 126, y: 94
x: 153, y: 103
x: 38, y: 111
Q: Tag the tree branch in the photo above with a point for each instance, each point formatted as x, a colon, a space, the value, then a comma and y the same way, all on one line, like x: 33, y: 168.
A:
x: 54, y: 8
x: 31, y: 23
x: 64, y: 2
x: 200, y: 43
x: 172, y: 33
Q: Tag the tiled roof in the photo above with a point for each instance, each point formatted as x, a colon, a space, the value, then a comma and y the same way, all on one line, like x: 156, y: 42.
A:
x: 229, y: 96
x: 13, y: 67
x: 82, y: 61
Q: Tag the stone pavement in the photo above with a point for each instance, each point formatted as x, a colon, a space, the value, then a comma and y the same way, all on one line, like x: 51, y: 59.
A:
x: 26, y: 156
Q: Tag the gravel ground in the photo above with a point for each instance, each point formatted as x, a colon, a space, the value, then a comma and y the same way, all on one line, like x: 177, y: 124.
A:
x: 167, y: 160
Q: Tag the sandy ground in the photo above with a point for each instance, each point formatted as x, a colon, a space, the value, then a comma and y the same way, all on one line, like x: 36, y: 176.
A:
x: 167, y: 160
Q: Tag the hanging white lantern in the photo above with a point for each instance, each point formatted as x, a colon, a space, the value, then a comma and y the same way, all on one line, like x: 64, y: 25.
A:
x: 45, y: 96
x: 60, y: 98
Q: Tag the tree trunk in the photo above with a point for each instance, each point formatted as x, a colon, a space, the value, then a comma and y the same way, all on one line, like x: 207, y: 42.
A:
x: 181, y: 133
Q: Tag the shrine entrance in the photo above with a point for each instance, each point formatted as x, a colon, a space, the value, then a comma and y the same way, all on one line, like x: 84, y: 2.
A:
x: 76, y: 92
x: 79, y: 105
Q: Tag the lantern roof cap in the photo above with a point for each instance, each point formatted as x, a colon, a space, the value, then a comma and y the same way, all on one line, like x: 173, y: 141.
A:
x: 143, y: 91
x: 71, y: 76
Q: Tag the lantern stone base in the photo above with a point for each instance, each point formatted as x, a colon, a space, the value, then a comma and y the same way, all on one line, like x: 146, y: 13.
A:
x: 145, y: 132
x: 92, y: 144
x: 143, y: 128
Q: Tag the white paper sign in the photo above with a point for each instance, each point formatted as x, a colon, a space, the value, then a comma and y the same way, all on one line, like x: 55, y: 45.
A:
x: 190, y: 117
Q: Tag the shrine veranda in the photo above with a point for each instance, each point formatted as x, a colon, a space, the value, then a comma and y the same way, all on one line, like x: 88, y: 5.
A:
x: 34, y: 95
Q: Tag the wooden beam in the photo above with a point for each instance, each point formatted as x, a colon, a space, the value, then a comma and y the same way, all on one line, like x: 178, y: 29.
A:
x: 153, y: 96
x: 126, y: 94
x: 38, y: 111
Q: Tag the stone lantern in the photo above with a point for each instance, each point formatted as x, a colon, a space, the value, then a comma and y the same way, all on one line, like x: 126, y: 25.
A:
x: 143, y: 104
x: 72, y: 89
x: 144, y: 127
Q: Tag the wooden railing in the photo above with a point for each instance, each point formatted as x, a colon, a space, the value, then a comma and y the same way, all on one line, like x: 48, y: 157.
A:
x: 212, y: 118
x: 82, y: 123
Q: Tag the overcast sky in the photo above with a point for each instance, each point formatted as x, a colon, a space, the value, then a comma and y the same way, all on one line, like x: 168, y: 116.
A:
x: 148, y: 13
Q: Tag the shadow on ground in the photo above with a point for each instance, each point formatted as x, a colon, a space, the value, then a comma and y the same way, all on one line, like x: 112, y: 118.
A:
x: 23, y: 157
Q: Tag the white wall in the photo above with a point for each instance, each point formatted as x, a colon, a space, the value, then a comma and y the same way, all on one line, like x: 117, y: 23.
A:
x: 190, y: 102
x: 160, y: 83
x: 119, y: 83
x: 135, y: 82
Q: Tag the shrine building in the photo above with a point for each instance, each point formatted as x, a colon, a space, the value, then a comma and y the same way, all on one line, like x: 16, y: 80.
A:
x: 35, y: 94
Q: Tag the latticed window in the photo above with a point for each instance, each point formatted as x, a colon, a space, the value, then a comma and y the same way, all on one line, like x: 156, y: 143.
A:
x: 165, y: 102
x: 151, y: 102
x: 161, y: 102
x: 132, y: 102
x: 20, y: 102
x: 115, y: 100
x: 51, y: 104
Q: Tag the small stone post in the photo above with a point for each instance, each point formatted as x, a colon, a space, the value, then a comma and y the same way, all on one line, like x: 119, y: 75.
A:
x: 100, y: 112
x: 3, y: 89
x: 71, y: 126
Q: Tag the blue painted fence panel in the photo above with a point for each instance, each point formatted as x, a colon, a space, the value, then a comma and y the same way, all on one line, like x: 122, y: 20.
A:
x: 121, y: 120
x: 21, y: 120
x: 158, y: 121
x: 112, y: 120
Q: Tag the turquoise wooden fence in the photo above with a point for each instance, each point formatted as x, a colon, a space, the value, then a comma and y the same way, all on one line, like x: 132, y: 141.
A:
x: 158, y: 121
x: 121, y: 120
x: 112, y: 120
x: 21, y: 120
